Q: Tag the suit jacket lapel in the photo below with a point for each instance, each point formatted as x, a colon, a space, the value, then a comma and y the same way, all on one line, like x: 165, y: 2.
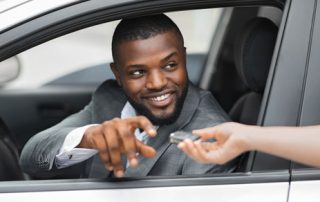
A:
x: 109, y: 101
x: 161, y: 142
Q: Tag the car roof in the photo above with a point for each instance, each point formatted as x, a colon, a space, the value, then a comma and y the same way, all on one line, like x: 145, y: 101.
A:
x: 13, y: 12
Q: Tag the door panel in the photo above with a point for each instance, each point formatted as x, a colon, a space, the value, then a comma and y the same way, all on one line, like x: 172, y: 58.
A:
x: 305, y: 181
x: 275, y: 192
x: 244, y: 187
x: 304, y: 191
x: 27, y: 112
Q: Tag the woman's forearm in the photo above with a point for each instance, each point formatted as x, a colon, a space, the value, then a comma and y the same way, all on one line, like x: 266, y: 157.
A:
x: 301, y: 144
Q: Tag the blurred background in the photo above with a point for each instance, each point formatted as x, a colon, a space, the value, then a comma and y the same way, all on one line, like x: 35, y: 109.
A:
x: 92, y: 46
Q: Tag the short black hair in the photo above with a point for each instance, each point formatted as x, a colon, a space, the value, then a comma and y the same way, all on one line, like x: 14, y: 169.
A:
x: 144, y: 27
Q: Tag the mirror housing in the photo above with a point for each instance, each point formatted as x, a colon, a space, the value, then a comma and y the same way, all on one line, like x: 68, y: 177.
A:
x: 9, y: 70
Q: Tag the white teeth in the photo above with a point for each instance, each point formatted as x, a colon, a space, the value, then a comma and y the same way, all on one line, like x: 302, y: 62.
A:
x: 160, y: 98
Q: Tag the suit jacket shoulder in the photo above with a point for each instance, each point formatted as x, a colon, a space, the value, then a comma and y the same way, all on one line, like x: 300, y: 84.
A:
x: 208, y: 112
x: 108, y: 101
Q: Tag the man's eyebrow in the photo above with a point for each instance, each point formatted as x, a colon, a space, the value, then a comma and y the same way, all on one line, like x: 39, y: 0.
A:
x: 135, y: 66
x: 162, y: 60
x: 169, y: 56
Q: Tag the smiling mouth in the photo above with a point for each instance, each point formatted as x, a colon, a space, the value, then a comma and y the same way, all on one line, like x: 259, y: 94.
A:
x: 160, y: 98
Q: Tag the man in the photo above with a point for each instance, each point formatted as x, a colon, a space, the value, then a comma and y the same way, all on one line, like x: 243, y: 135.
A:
x: 133, y: 116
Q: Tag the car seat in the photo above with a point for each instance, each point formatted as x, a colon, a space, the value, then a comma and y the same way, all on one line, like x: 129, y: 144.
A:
x: 253, y: 52
x: 9, y: 160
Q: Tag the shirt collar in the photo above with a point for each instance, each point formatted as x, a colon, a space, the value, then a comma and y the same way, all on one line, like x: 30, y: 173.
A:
x: 128, y: 111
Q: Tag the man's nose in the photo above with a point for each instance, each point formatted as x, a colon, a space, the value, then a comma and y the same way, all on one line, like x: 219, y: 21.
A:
x: 156, y: 80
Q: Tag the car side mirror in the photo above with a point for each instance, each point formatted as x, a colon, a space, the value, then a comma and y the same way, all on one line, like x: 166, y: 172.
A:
x: 9, y: 69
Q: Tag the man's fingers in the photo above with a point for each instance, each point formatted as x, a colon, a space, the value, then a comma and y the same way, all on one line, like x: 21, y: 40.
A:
x: 114, y: 150
x: 100, y: 143
x: 145, y: 150
x: 118, y: 171
x: 144, y: 124
x: 129, y: 145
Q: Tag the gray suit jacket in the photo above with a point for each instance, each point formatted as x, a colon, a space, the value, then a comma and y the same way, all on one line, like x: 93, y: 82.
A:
x: 199, y: 110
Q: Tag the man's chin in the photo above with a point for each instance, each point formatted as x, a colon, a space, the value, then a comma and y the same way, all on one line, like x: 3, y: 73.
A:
x: 162, y: 117
x: 163, y: 120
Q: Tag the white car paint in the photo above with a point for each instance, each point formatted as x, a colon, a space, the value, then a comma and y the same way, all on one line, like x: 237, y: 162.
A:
x: 262, y: 192
x: 305, y: 191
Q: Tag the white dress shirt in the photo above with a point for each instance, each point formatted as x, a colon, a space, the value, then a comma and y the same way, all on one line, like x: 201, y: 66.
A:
x: 69, y: 155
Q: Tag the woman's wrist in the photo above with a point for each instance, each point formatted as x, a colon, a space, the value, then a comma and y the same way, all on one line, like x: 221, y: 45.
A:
x: 250, y: 135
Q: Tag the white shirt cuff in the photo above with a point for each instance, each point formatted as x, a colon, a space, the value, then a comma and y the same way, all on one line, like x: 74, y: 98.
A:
x: 69, y: 155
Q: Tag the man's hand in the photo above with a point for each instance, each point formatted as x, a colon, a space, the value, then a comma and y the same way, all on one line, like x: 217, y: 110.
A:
x: 115, y: 137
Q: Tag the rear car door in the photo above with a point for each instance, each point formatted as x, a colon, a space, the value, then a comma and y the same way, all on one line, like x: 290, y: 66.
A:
x: 305, y: 181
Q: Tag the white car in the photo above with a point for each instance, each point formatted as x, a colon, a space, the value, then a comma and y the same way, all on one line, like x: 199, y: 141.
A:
x: 259, y: 58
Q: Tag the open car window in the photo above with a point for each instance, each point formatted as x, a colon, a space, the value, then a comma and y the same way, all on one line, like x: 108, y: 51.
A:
x: 70, y: 67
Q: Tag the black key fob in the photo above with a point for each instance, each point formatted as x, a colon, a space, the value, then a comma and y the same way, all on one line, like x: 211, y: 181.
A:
x: 179, y: 136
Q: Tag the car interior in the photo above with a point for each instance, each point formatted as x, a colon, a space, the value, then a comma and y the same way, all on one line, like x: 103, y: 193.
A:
x: 237, y: 82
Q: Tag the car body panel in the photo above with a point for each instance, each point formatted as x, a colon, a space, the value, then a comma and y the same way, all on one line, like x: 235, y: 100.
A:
x: 305, y: 181
x: 304, y: 191
x: 275, y: 192
x: 241, y: 187
x: 305, y: 185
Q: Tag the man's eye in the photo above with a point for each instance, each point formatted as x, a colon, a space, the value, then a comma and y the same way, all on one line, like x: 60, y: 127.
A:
x: 137, y: 73
x: 170, y: 66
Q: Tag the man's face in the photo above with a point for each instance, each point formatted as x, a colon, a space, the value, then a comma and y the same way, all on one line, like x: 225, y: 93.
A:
x: 152, y: 72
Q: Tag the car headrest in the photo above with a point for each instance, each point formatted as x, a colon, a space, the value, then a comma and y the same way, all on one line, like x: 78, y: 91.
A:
x: 253, y: 52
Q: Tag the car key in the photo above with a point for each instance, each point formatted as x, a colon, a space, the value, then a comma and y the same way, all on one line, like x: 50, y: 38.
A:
x: 179, y: 136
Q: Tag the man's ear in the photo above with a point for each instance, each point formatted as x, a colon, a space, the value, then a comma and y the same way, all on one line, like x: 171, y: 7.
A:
x: 185, y: 53
x: 116, y: 73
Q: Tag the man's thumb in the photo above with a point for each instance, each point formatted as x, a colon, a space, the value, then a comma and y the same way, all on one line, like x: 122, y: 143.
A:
x: 145, y: 150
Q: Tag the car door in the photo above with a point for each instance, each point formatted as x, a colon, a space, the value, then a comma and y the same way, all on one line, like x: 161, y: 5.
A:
x: 305, y: 181
x: 266, y: 178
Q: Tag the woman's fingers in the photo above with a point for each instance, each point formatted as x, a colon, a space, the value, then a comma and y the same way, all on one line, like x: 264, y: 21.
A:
x: 206, y: 132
